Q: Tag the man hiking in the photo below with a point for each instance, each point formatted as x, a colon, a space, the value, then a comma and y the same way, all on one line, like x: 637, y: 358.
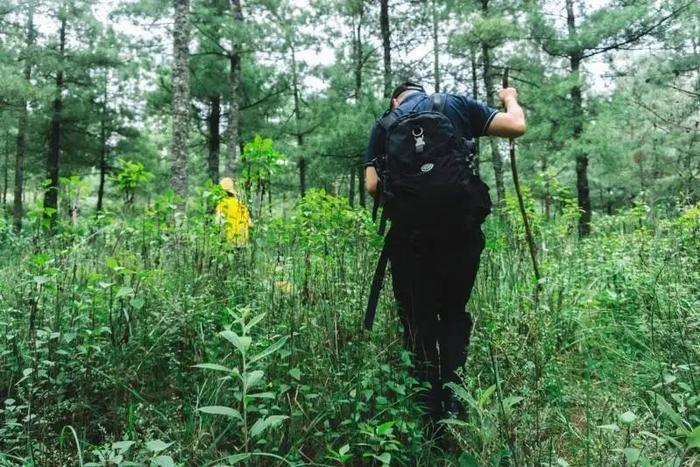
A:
x: 421, y: 165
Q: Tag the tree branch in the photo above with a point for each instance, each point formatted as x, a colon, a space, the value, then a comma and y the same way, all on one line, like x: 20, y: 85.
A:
x: 635, y: 37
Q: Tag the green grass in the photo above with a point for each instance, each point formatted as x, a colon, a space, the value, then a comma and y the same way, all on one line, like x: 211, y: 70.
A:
x: 102, y: 328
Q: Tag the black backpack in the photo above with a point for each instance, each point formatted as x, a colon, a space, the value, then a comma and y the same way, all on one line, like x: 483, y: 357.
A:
x: 429, y: 180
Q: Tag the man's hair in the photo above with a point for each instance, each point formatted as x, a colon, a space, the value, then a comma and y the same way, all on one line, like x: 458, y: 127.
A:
x: 406, y: 86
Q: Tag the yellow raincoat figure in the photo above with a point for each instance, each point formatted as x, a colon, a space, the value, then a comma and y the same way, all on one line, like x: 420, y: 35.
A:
x: 233, y: 214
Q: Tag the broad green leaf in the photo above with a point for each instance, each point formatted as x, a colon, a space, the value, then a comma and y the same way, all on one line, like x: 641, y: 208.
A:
x: 669, y: 411
x: 486, y: 395
x: 385, y: 427
x: 256, y: 319
x: 157, y: 445
x: 242, y: 343
x: 236, y: 458
x: 122, y: 446
x: 125, y: 292
x: 221, y: 410
x: 454, y: 421
x: 270, y: 350
x: 213, y: 366
x: 611, y: 427
x: 631, y: 455
x: 262, y: 395
x: 253, y: 378
x: 263, y: 423
x: 694, y: 438
x: 467, y: 460
x: 344, y: 449
x: 510, y: 401
x: 628, y: 418
x: 163, y: 461
x: 384, y: 458
x: 295, y: 373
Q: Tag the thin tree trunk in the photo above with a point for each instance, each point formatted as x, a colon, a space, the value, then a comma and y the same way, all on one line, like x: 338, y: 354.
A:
x: 582, y: 188
x: 21, y: 146
x: 436, y: 47
x: 103, y: 157
x: 6, y: 173
x: 213, y: 122
x: 497, y: 159
x: 358, y: 56
x: 301, y: 162
x: 361, y: 186
x: 22, y: 127
x: 51, y: 192
x: 234, y: 117
x: 351, y: 195
x: 181, y: 97
x: 547, y: 201
x: 475, y: 93
x: 103, y: 146
x: 386, y: 44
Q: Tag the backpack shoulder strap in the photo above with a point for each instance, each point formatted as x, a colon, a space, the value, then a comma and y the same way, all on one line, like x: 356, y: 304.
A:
x: 438, y: 102
x: 387, y: 120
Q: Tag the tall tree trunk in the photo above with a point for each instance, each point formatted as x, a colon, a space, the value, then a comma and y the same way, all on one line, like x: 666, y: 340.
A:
x: 475, y: 91
x: 234, y: 117
x: 358, y: 56
x: 103, y: 158
x: 103, y: 146
x: 361, y: 186
x: 5, y: 170
x: 213, y: 122
x: 301, y: 165
x: 51, y: 192
x: 386, y: 44
x: 582, y: 188
x: 301, y: 162
x: 496, y: 158
x: 21, y: 144
x: 351, y: 195
x: 436, y: 46
x: 181, y: 97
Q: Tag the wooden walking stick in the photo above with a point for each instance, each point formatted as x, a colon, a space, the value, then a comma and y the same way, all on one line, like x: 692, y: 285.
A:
x: 521, y: 203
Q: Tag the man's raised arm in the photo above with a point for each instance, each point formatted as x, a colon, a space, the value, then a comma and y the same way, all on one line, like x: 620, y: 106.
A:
x: 511, y: 123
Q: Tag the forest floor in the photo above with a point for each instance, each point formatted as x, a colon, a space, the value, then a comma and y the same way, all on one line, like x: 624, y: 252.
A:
x: 141, y: 338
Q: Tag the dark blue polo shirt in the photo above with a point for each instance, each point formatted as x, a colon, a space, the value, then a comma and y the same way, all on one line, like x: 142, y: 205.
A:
x: 471, y: 118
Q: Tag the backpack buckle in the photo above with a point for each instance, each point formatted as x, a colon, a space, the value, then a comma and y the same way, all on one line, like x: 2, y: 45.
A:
x: 420, y: 139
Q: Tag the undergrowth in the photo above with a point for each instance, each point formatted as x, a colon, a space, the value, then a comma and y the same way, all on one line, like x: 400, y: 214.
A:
x: 142, y: 338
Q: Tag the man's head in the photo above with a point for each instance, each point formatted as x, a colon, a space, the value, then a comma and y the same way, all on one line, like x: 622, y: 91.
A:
x: 403, y: 90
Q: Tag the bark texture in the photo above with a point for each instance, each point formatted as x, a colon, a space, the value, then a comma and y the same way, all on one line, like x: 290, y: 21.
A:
x: 214, y: 143
x: 582, y: 187
x: 181, y: 97
x: 496, y: 157
x: 234, y: 117
x: 22, y: 119
x: 386, y: 45
x: 436, y: 47
x: 301, y: 161
x: 53, y: 162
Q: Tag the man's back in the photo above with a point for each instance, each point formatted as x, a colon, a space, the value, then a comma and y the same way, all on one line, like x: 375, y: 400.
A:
x: 433, y: 275
x: 470, y: 119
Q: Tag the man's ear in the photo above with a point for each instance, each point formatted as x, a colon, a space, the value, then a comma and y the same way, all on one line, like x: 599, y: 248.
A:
x: 394, y: 103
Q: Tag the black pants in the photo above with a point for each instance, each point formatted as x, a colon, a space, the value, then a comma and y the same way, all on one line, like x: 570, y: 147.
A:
x: 433, y: 275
